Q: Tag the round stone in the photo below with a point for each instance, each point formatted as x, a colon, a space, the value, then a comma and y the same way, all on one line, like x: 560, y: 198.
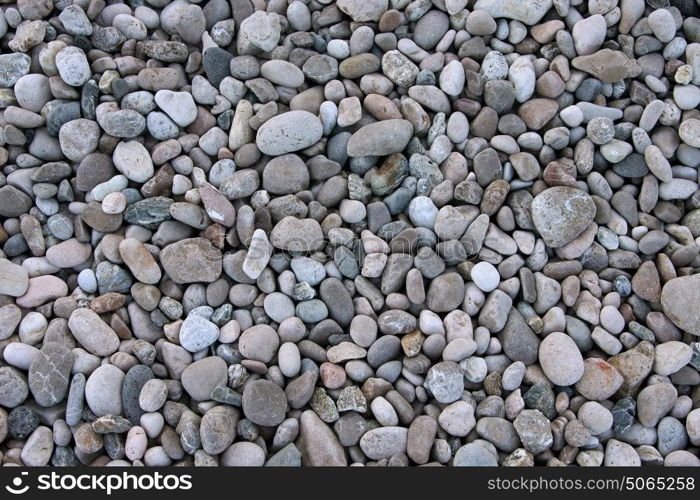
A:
x: 73, y: 66
x: 561, y: 359
x: 197, y: 333
x: 259, y: 342
x: 201, y: 377
x: 103, y: 390
x: 485, y: 276
x: 562, y: 213
x: 264, y: 403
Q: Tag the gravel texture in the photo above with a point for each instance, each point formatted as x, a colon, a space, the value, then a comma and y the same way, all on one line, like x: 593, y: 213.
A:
x: 352, y: 232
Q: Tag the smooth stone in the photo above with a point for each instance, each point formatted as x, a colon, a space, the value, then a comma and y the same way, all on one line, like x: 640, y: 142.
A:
x: 561, y: 359
x: 179, y: 106
x: 192, y: 260
x: 197, y: 333
x: 93, y: 334
x: 49, y: 374
x: 264, y: 403
x: 133, y: 160
x: 562, y: 213
x: 675, y: 294
x: 201, y: 377
x: 321, y: 447
x: 103, y: 390
x: 283, y: 133
x: 380, y: 138
x: 384, y: 442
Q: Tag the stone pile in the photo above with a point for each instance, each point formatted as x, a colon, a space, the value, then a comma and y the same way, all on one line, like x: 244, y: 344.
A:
x: 351, y: 232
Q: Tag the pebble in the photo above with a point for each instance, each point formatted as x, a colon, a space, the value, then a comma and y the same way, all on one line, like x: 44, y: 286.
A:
x: 49, y: 374
x: 321, y: 446
x: 179, y: 106
x: 671, y: 356
x: 284, y: 234
x: 103, y: 390
x: 37, y: 451
x: 475, y: 455
x: 197, y: 333
x: 264, y: 403
x: 133, y: 160
x: 202, y: 376
x: 485, y: 276
x: 445, y: 381
x: 93, y: 334
x: 349, y: 233
x: 14, y: 279
x: 457, y: 419
x: 380, y: 138
x: 561, y: 213
x: 243, y: 454
x: 73, y: 66
x: 191, y: 260
x: 599, y: 381
x: 280, y: 135
x: 560, y: 359
x: 534, y: 431
x: 14, y: 389
x: 384, y: 442
x: 687, y: 287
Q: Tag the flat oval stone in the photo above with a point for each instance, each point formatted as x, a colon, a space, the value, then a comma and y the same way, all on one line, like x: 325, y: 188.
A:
x: 139, y: 261
x: 384, y: 442
x: 298, y: 235
x: 197, y: 333
x: 289, y: 132
x: 125, y: 123
x: 69, y: 253
x: 282, y: 73
x: 381, y: 138
x: 133, y: 160
x: 41, y: 290
x: 49, y: 374
x: 259, y: 342
x: 38, y: 448
x: 93, y: 334
x: 286, y: 174
x: 73, y: 66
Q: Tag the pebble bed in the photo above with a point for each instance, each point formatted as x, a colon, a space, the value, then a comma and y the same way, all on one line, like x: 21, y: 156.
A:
x: 352, y: 232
